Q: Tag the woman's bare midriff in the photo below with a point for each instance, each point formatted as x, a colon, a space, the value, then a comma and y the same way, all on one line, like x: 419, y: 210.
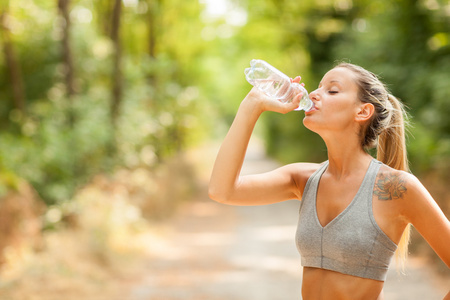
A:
x: 320, y: 284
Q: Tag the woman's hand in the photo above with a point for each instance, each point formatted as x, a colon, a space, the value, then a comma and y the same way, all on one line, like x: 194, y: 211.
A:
x: 261, y: 102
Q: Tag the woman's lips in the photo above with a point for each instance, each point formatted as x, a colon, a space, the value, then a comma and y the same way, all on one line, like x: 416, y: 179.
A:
x: 314, y: 108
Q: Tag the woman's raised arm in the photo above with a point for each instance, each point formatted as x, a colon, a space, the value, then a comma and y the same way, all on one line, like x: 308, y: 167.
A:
x: 226, y: 185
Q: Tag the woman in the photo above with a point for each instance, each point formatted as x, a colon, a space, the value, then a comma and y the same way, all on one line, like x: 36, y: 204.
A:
x: 354, y: 210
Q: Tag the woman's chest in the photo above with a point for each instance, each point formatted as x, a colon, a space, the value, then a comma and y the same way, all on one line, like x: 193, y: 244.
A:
x: 333, y: 198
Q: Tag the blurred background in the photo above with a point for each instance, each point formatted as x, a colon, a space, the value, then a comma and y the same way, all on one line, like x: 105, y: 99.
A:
x: 112, y: 111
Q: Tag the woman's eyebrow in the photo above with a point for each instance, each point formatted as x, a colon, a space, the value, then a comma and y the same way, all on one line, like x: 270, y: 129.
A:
x: 331, y: 81
x: 337, y: 81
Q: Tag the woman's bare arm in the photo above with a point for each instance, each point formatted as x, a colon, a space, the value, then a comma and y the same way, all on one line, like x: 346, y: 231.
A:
x: 226, y: 185
x: 422, y: 211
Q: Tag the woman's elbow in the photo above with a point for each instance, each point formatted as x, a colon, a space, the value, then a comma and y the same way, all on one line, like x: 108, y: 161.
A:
x: 217, y: 195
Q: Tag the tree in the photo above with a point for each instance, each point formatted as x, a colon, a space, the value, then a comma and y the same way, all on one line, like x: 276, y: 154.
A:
x: 63, y: 6
x: 117, y: 57
x: 15, y: 74
x: 152, y: 13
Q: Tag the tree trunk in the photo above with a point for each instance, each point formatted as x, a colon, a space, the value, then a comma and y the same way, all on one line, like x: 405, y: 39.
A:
x: 63, y: 6
x: 117, y: 70
x: 103, y: 10
x: 15, y: 74
x: 152, y: 7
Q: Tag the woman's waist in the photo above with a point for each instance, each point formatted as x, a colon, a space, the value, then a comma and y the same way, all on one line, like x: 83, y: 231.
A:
x: 326, y: 284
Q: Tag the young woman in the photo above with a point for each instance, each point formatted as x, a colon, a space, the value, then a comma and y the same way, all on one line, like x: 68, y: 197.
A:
x: 355, y: 211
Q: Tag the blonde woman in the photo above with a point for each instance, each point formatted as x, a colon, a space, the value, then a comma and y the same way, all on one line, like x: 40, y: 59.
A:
x: 355, y: 211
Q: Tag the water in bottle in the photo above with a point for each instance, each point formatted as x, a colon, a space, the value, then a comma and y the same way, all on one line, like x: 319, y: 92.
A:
x: 275, y: 84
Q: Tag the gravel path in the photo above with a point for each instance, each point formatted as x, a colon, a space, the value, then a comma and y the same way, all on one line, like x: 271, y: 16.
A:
x: 216, y: 252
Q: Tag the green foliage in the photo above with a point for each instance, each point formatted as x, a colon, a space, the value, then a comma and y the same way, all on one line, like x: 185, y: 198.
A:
x: 62, y: 141
x: 182, y: 72
x: 8, y: 181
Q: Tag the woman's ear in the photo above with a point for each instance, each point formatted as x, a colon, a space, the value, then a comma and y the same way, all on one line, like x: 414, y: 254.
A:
x: 365, y: 112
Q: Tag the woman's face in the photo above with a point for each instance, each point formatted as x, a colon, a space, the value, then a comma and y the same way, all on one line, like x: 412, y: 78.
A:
x: 336, y: 102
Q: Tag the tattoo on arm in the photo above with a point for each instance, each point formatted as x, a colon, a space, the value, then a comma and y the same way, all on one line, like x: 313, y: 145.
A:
x: 389, y: 187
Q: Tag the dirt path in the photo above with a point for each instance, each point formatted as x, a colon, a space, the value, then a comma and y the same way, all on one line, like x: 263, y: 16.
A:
x: 214, y: 252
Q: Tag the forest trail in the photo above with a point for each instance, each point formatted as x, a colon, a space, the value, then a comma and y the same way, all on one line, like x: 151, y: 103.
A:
x: 212, y: 251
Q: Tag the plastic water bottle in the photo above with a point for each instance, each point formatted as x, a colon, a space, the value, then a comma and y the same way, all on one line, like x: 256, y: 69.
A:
x: 275, y: 84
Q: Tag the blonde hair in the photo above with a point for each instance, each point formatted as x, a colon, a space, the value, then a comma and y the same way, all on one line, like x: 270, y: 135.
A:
x: 385, y: 131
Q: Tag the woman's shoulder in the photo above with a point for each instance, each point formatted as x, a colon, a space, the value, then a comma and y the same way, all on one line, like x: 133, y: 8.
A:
x: 304, y: 169
x: 390, y: 173
x: 393, y: 184
x: 301, y: 172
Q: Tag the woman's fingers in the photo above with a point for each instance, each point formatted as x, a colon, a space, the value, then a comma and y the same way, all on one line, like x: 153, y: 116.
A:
x: 296, y: 79
x: 266, y: 103
x: 287, y: 106
x: 296, y: 100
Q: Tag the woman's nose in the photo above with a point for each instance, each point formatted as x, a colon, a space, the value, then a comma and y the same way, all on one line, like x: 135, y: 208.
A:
x: 313, y: 95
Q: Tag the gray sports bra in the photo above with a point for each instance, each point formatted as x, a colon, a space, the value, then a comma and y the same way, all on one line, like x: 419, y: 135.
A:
x: 352, y: 243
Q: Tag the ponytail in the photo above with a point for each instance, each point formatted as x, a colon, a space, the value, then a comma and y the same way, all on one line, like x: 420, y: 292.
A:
x: 391, y: 150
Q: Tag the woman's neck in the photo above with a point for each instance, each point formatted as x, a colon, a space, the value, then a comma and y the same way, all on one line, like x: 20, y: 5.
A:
x: 345, y: 156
